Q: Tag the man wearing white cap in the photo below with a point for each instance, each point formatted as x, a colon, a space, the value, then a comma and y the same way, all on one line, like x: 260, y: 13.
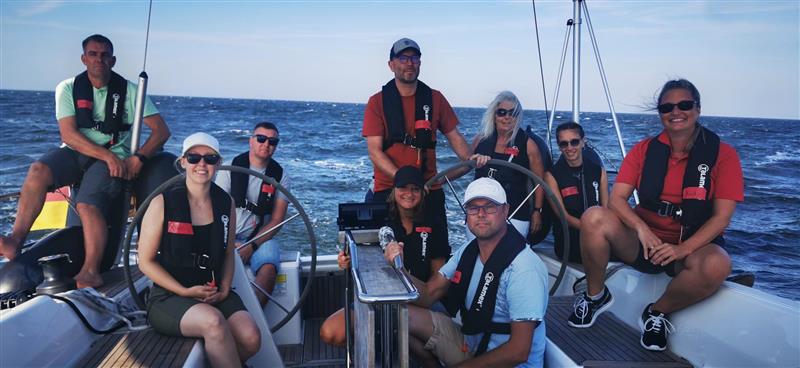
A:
x: 497, y: 284
x: 400, y: 124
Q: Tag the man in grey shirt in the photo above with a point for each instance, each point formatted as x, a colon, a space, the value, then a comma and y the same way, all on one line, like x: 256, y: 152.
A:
x: 259, y: 205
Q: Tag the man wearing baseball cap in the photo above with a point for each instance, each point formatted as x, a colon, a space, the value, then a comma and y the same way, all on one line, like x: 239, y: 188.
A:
x: 400, y: 124
x: 497, y: 284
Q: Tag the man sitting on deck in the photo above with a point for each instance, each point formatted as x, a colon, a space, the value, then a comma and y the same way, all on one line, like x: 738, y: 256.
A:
x: 95, y: 111
x: 497, y: 283
x: 259, y: 206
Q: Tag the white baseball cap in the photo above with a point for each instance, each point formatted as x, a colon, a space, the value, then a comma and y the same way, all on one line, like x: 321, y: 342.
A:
x: 200, y: 139
x: 486, y: 188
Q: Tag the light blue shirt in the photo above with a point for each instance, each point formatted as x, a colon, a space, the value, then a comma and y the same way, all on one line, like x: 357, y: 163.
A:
x: 521, y: 296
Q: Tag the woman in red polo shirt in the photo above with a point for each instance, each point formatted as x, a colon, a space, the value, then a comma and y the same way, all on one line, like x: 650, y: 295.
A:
x: 689, y: 183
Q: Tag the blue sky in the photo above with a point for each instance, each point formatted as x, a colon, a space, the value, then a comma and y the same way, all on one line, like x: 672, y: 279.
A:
x: 742, y: 55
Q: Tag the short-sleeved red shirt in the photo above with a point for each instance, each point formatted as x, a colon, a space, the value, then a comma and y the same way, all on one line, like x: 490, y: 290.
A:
x: 444, y: 120
x: 727, y: 182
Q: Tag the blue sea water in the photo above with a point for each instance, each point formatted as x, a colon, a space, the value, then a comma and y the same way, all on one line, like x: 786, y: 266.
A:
x: 322, y: 148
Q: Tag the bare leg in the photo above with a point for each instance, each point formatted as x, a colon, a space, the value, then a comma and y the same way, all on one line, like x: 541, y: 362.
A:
x: 265, y: 278
x: 245, y: 333
x: 332, y: 331
x: 31, y: 201
x: 602, y: 233
x: 95, y: 234
x: 203, y: 320
x: 420, y: 330
x: 703, y: 273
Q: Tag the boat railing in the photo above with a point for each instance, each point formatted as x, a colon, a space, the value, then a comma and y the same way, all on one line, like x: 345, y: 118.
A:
x: 382, y: 293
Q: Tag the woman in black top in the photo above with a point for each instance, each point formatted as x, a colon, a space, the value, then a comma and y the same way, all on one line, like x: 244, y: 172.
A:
x: 501, y: 138
x: 578, y: 184
x: 186, y: 248
x: 421, y: 236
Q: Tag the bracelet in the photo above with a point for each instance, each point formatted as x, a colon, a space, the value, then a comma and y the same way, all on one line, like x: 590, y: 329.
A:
x: 538, y: 209
x: 141, y: 157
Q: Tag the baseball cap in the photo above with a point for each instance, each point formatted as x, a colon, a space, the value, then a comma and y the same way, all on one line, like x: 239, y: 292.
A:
x: 486, y: 188
x: 408, y: 175
x: 200, y: 139
x: 402, y: 44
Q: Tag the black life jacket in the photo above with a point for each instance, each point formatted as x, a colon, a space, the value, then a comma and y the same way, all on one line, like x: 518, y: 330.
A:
x: 423, y: 138
x: 579, y: 189
x: 544, y: 151
x: 695, y: 208
x: 176, y: 250
x: 514, y: 182
x: 547, y: 212
x: 266, y: 198
x: 417, y: 245
x: 83, y: 99
x: 478, y: 319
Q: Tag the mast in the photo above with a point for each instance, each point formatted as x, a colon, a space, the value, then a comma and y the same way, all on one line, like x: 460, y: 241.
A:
x: 576, y: 60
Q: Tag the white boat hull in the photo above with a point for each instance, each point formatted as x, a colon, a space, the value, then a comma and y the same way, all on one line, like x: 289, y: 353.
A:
x: 736, y: 327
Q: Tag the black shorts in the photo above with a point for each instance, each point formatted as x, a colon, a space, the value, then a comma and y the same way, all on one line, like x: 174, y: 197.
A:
x: 645, y: 266
x: 165, y: 309
x: 69, y: 167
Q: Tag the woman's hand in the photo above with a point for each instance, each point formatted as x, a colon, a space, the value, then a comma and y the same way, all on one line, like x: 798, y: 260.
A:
x: 200, y: 292
x: 536, y: 221
x: 648, y: 240
x: 480, y: 159
x: 665, y: 253
x: 393, y: 250
x: 343, y: 261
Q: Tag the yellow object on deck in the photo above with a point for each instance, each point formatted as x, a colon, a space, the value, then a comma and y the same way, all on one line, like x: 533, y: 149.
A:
x: 54, y: 212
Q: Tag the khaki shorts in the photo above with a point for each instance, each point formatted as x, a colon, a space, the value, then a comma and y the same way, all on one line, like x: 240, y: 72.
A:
x: 447, y: 341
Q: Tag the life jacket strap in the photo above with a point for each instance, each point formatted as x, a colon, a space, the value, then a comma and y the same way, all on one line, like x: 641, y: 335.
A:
x: 494, y: 328
x: 663, y: 208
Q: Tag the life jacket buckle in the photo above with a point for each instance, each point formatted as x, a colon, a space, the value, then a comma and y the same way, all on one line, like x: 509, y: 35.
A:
x: 410, y: 141
x: 668, y: 209
x: 203, y: 261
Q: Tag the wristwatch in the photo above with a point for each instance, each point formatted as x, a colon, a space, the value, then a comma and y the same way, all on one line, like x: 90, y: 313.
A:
x: 142, y: 158
x: 538, y: 209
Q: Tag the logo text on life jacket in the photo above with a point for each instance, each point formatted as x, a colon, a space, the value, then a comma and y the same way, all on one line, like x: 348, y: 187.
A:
x: 486, y: 281
x: 225, y: 220
x: 703, y: 169
x: 116, y: 103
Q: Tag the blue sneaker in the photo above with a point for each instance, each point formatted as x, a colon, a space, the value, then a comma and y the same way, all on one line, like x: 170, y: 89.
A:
x: 585, y: 310
x: 655, y: 326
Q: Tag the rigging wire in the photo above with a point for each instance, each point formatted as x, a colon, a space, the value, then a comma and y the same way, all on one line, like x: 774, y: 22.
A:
x: 541, y: 67
x: 147, y: 35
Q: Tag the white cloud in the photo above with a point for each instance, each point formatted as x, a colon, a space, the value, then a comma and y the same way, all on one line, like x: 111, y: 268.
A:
x: 40, y: 7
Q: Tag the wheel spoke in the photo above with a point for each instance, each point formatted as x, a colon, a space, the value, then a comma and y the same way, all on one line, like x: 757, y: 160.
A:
x: 267, y: 231
x: 269, y: 296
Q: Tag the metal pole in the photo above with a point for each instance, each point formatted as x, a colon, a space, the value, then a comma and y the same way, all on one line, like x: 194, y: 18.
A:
x: 136, y: 130
x: 606, y: 88
x: 576, y: 61
x: 558, y: 83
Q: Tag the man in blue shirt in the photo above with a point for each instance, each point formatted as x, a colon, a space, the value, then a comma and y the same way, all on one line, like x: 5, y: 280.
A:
x: 503, y: 316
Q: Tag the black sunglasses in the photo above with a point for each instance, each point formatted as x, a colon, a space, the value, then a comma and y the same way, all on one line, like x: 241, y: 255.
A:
x: 572, y: 142
x: 503, y: 112
x: 685, y: 105
x: 273, y: 141
x: 194, y: 158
